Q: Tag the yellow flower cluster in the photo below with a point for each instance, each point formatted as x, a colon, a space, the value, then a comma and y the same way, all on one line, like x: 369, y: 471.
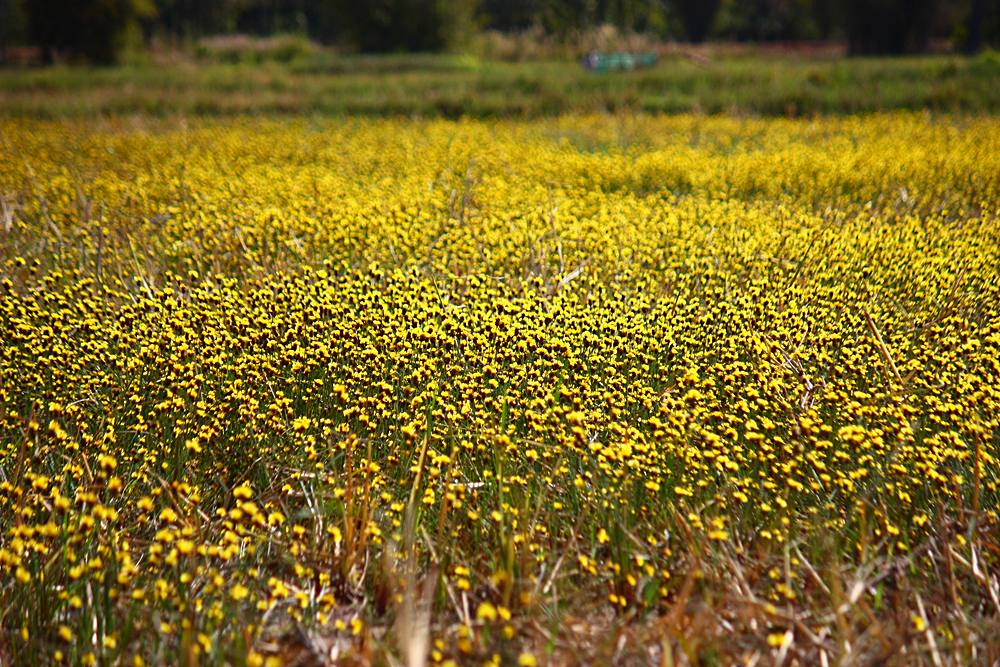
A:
x: 256, y: 369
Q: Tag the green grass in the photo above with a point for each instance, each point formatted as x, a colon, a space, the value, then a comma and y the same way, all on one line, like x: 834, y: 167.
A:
x: 454, y: 86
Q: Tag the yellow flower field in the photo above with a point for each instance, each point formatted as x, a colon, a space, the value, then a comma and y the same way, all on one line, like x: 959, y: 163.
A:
x: 649, y: 390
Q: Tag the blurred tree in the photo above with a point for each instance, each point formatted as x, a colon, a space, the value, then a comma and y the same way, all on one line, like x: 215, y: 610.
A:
x: 95, y: 30
x: 99, y: 29
x: 323, y: 21
x: 187, y: 19
x: 565, y: 16
x: 828, y: 17
x: 698, y: 17
x: 889, y: 26
x: 769, y: 20
x: 13, y: 26
x: 405, y: 25
x: 561, y: 17
x: 974, y: 38
x: 267, y: 17
x: 510, y: 15
x: 634, y: 15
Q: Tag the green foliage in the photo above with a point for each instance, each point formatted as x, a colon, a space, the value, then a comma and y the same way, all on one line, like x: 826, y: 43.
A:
x: 94, y: 30
x: 446, y: 85
x: 405, y: 25
x: 764, y: 20
x: 99, y: 30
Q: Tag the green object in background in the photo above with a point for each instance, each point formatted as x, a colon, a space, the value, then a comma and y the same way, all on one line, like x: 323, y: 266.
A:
x: 618, y: 62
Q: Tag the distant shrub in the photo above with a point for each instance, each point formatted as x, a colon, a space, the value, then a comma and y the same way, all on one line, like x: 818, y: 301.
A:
x: 535, y: 44
x: 987, y: 63
x: 249, y: 49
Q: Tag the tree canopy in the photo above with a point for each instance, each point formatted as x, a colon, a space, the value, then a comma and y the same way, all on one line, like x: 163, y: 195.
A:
x: 98, y: 30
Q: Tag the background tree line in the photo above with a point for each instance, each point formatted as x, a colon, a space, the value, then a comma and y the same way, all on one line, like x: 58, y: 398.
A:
x: 99, y: 30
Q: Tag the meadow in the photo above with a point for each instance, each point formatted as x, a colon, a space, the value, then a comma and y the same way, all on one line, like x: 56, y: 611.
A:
x: 748, y: 82
x: 584, y: 389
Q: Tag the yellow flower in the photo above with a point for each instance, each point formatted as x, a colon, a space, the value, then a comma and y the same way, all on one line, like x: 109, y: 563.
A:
x: 486, y: 612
